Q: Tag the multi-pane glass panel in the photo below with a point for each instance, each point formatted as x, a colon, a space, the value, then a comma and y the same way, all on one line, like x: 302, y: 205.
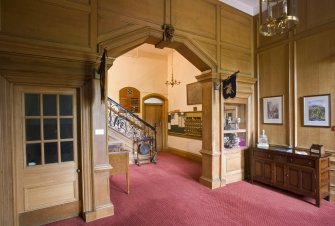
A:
x: 67, y: 151
x: 65, y: 105
x: 33, y: 154
x: 33, y: 129
x: 66, y: 126
x: 50, y: 152
x: 49, y: 132
x: 50, y: 128
x: 49, y: 105
x: 32, y: 104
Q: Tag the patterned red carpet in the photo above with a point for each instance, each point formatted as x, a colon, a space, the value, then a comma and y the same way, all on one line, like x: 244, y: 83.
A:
x: 168, y: 193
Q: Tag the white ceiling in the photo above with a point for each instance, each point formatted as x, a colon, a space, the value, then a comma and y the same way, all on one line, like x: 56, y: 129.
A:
x: 250, y: 7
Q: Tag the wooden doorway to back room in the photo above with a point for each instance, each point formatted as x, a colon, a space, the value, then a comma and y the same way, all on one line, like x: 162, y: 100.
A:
x: 155, y: 113
x: 47, y: 181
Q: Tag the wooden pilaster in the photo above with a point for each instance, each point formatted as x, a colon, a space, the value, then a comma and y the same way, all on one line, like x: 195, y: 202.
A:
x: 210, y: 152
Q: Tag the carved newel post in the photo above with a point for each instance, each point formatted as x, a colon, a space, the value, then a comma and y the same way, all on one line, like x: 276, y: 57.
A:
x: 210, y: 152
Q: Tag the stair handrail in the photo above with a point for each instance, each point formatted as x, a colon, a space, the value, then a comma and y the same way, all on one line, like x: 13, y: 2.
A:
x: 131, y: 113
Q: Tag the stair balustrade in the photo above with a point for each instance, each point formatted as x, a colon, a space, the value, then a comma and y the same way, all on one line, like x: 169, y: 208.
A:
x: 130, y: 125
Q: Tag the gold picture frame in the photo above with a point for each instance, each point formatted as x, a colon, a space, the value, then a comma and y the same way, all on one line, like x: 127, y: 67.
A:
x: 194, y: 93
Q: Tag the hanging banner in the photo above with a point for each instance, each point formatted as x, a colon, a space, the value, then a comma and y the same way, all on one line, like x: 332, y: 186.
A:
x: 229, y: 86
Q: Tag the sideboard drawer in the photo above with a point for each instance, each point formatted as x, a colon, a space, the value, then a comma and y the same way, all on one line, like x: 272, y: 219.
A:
x: 263, y: 154
x: 300, y: 161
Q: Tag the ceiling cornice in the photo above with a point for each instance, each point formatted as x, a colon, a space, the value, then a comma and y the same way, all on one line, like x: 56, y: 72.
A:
x: 250, y: 9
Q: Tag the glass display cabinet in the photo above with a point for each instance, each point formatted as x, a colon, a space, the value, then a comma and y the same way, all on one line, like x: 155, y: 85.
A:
x: 235, y: 137
x: 235, y: 124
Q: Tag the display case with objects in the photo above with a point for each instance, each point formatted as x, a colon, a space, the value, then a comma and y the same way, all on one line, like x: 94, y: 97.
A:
x: 235, y: 139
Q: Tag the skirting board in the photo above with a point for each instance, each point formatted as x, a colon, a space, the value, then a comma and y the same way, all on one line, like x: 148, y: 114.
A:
x: 100, y: 212
x: 50, y: 214
x: 184, y: 154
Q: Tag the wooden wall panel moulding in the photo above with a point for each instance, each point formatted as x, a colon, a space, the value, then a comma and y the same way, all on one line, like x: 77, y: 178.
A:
x: 314, y: 17
x: 194, y: 53
x: 216, y: 183
x: 207, y: 75
x: 102, y: 168
x: 315, y: 31
x: 209, y: 46
x: 85, y: 7
x: 127, y: 41
x: 189, y: 21
x: 209, y: 152
x: 50, y: 214
x: 101, y: 190
x: 152, y: 12
x: 232, y: 60
x: 110, y: 22
x: 33, y: 20
x: 120, y: 28
x: 185, y: 154
x: 32, y: 47
x: 236, y: 28
x: 99, y: 212
x: 93, y: 24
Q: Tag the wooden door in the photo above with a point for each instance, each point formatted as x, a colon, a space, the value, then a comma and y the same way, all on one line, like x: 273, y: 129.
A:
x: 262, y: 170
x: 153, y: 115
x: 46, y: 154
x: 294, y: 178
x: 308, y: 181
x: 279, y: 174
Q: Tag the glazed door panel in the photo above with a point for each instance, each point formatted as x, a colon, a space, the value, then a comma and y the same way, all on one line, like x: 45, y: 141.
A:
x: 46, y: 148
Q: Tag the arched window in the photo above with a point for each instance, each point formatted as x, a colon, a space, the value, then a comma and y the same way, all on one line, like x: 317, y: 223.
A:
x: 153, y: 100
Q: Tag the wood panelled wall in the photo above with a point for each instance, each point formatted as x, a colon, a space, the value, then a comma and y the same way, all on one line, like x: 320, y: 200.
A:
x: 58, y: 43
x: 219, y: 33
x: 299, y: 64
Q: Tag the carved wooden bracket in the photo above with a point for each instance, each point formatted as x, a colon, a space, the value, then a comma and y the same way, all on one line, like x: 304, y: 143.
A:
x: 168, y: 31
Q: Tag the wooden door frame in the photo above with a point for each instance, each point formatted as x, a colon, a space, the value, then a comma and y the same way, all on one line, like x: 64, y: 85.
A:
x: 164, y: 115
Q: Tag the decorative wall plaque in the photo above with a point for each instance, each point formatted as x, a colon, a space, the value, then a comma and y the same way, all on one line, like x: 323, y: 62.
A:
x: 130, y: 99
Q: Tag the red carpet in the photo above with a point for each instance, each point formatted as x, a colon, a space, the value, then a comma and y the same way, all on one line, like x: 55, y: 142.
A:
x: 168, y: 193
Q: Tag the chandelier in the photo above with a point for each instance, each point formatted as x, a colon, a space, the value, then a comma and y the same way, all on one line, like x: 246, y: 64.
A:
x: 277, y: 16
x: 172, y: 82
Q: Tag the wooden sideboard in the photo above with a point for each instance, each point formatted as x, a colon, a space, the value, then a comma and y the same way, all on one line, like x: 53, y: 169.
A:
x: 332, y: 176
x: 293, y: 170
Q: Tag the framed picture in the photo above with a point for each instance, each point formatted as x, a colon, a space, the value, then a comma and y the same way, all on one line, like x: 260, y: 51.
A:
x: 194, y: 93
x: 273, y: 110
x: 316, y: 110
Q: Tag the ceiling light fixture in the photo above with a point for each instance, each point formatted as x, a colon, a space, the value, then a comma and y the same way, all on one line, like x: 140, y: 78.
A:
x: 277, y: 16
x: 173, y: 81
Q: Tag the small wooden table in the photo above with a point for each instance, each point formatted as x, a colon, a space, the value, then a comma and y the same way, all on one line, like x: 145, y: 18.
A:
x: 120, y: 163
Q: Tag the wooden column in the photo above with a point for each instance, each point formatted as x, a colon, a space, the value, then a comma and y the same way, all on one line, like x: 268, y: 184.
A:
x: 102, y: 205
x: 6, y: 160
x: 210, y: 152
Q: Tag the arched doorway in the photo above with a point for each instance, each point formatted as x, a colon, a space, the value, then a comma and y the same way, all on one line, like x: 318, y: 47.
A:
x: 155, y: 108
x: 196, y: 55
